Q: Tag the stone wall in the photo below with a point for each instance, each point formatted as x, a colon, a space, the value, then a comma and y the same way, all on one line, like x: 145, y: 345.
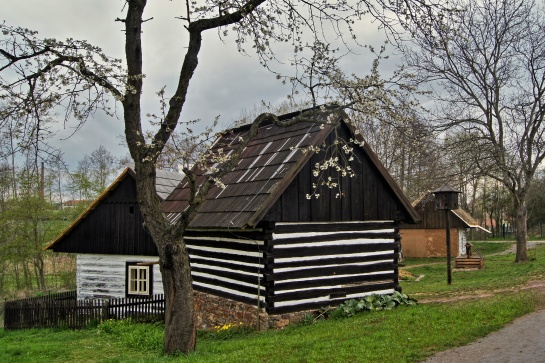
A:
x: 214, y: 311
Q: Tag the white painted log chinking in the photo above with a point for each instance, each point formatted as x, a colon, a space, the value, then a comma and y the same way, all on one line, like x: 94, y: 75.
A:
x: 248, y: 264
x: 225, y: 269
x: 327, y: 288
x: 332, y: 222
x: 280, y: 236
x: 230, y: 291
x: 227, y: 250
x: 332, y: 278
x: 368, y: 263
x: 344, y: 242
x: 224, y: 279
x: 226, y: 239
x: 313, y: 258
x: 326, y: 298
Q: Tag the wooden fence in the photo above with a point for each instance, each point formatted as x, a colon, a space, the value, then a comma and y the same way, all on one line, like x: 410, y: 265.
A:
x: 48, y: 312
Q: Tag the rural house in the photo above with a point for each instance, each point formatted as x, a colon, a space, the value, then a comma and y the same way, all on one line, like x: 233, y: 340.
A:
x: 308, y: 218
x: 276, y: 236
x: 427, y: 238
x: 109, y: 239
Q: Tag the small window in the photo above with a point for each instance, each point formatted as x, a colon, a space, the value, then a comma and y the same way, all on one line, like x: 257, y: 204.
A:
x: 131, y: 210
x: 138, y: 280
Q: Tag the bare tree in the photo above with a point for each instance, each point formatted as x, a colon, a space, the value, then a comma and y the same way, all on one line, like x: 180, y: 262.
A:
x: 488, y: 59
x: 407, y: 148
x: 39, y: 66
x: 102, y: 168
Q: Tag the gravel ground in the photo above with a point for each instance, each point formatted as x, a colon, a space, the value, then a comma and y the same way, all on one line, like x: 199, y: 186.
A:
x: 522, y: 341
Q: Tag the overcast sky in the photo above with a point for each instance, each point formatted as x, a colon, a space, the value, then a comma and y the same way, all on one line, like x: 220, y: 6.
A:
x: 224, y: 84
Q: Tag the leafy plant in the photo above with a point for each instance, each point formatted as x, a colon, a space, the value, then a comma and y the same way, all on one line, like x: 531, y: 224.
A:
x: 372, y: 302
x: 227, y: 331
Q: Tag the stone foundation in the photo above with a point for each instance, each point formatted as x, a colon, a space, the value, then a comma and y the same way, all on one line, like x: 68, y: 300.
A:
x: 214, y: 311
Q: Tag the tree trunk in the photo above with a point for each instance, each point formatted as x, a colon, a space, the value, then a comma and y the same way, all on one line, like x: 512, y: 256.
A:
x: 40, y: 271
x: 522, y: 230
x: 180, y: 331
x: 493, y: 228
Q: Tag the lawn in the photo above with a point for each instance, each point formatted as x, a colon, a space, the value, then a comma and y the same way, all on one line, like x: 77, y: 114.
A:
x: 405, y: 334
x: 430, y: 275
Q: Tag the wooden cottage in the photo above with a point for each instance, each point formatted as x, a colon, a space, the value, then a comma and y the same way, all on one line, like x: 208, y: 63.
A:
x: 290, y: 230
x: 308, y: 218
x: 109, y: 239
x: 427, y: 238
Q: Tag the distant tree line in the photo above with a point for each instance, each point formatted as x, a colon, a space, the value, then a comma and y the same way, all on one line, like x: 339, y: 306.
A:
x: 37, y: 201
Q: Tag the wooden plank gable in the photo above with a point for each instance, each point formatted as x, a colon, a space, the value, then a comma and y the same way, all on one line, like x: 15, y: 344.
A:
x: 112, y: 224
x: 365, y: 196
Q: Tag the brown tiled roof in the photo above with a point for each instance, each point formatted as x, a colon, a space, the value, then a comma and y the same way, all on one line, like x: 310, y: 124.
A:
x: 267, y: 165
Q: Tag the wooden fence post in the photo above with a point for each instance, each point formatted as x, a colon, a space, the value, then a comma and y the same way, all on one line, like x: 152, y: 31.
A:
x: 105, y: 310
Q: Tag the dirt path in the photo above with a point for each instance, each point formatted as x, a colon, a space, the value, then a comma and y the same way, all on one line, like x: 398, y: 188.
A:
x: 531, y: 285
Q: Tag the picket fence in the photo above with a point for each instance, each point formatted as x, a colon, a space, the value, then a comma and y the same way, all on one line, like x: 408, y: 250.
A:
x: 66, y: 311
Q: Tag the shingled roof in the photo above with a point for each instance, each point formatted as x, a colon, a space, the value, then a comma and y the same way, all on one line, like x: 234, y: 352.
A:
x: 468, y: 219
x: 269, y: 162
x: 166, y: 181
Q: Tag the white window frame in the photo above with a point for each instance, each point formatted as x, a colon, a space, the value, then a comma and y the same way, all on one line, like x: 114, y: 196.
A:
x: 139, y: 280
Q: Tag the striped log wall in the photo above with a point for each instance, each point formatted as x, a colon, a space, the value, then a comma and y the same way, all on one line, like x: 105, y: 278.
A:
x: 296, y: 266
x: 229, y: 264
x: 104, y: 276
x: 290, y: 267
x: 320, y: 264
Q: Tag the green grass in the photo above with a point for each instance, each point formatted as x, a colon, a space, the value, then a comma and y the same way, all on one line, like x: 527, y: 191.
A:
x: 489, y: 248
x: 493, y: 277
x: 405, y: 334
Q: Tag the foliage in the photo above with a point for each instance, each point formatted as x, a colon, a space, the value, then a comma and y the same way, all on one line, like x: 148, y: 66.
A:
x: 407, y: 146
x: 372, y: 302
x: 28, y: 222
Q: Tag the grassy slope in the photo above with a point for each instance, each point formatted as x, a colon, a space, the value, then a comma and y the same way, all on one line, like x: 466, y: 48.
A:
x: 406, y: 334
